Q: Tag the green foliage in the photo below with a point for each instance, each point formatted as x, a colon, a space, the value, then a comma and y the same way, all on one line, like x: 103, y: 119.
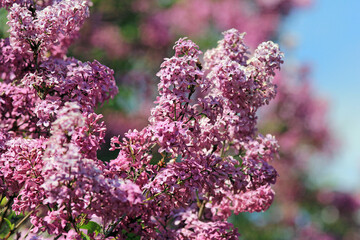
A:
x: 92, y: 227
x: 131, y: 236
x: 3, y: 26
x: 166, y: 3
x: 5, y: 228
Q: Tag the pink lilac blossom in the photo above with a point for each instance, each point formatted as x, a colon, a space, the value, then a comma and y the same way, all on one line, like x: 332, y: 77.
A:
x: 82, y: 81
x: 69, y: 79
x: 54, y: 79
x: 17, y: 107
x: 49, y: 30
x: 192, y: 170
x: 194, y: 228
x: 27, y: 3
x: 77, y: 184
x: 34, y: 96
x: 204, y: 128
x: 21, y: 172
x: 46, y: 111
x: 13, y: 61
x: 9, y: 3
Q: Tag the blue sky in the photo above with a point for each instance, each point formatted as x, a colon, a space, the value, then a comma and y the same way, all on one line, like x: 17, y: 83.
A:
x: 328, y: 37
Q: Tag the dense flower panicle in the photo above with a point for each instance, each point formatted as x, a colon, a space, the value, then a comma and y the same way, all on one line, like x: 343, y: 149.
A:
x: 264, y: 148
x: 172, y: 137
x: 13, y: 61
x: 81, y: 129
x: 267, y: 57
x: 179, y: 75
x: 186, y: 47
x: 194, y: 228
x: 17, y: 106
x: 72, y: 178
x: 256, y: 200
x: 159, y: 26
x: 92, y: 135
x: 60, y: 80
x: 96, y: 82
x: 68, y: 121
x: 232, y: 46
x: 135, y: 153
x: 183, y: 181
x: 239, y: 88
x: 21, y: 166
x: 258, y: 70
x: 198, y: 138
x: 4, y: 136
x: 88, y: 83
x: 49, y: 133
x: 36, y: 30
x: 256, y: 161
x: 26, y: 3
x: 46, y: 112
x: 47, y: 30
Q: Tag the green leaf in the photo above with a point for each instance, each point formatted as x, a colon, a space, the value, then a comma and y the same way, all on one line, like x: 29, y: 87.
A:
x: 132, y: 236
x: 91, y: 227
x: 84, y: 236
x: 5, y: 228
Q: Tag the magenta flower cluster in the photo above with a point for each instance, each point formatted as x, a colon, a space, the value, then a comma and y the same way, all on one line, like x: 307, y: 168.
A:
x: 204, y: 128
x: 198, y: 160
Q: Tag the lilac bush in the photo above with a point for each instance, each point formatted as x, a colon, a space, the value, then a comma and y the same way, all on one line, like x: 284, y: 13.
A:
x: 212, y: 161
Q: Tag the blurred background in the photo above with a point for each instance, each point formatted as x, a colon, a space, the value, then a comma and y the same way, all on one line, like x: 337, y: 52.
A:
x: 328, y: 38
x: 315, y: 115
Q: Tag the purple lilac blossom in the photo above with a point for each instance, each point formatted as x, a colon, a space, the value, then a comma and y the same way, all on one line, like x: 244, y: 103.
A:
x: 200, y: 127
x: 203, y: 127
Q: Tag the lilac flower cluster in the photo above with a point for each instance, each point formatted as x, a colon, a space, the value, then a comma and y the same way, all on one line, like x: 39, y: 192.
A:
x: 36, y: 78
x: 46, y: 30
x: 203, y: 128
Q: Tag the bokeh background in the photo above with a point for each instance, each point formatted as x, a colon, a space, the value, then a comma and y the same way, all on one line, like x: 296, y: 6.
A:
x: 328, y: 38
